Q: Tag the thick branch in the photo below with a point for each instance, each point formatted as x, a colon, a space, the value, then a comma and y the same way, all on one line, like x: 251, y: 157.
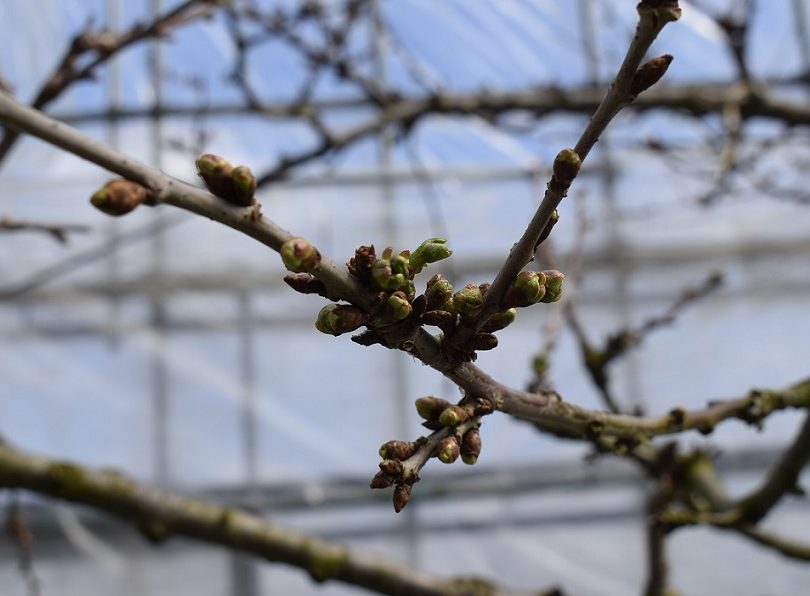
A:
x: 160, y: 515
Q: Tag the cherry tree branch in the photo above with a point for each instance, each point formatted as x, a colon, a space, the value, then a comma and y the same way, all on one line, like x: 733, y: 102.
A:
x: 160, y: 515
x: 58, y: 232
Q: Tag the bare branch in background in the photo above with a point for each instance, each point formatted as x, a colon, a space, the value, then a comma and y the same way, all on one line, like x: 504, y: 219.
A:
x: 58, y: 232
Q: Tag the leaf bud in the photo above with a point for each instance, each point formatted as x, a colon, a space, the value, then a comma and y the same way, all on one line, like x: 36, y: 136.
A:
x: 453, y: 416
x: 468, y: 301
x: 448, y: 450
x: 566, y: 167
x: 216, y: 173
x: 527, y: 289
x: 119, y: 197
x: 430, y: 407
x: 430, y: 251
x: 471, y: 446
x: 244, y: 186
x: 400, y: 450
x: 402, y: 494
x: 336, y: 319
x: 381, y: 480
x: 553, y: 285
x: 500, y: 320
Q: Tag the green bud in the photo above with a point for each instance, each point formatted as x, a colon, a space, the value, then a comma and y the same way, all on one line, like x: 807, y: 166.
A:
x: 439, y: 290
x: 409, y: 289
x: 566, y: 167
x: 430, y: 251
x: 299, y: 255
x: 336, y: 319
x: 468, y: 301
x: 381, y: 273
x: 453, y: 416
x: 553, y: 285
x: 471, y: 446
x: 119, y: 197
x: 398, y: 306
x: 399, y: 266
x: 527, y: 289
x: 244, y: 186
x: 430, y: 407
x: 216, y: 173
x: 448, y: 450
x: 500, y: 320
x: 400, y: 450
x: 540, y: 363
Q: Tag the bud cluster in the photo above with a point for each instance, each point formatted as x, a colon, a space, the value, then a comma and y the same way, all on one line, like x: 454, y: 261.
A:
x: 531, y: 287
x: 234, y: 185
x: 392, y: 275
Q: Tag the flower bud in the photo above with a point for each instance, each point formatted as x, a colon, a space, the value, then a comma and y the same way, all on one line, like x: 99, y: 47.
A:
x: 453, y: 416
x: 527, y: 289
x: 431, y: 407
x: 381, y: 273
x: 439, y: 290
x: 471, y: 446
x: 399, y: 266
x: 566, y: 167
x: 216, y: 173
x: 448, y: 450
x: 430, y: 251
x: 336, y: 319
x: 244, y: 186
x: 392, y: 467
x: 400, y: 450
x: 402, y: 493
x: 398, y: 306
x: 468, y: 301
x: 500, y: 320
x: 381, y: 480
x: 119, y: 197
x: 553, y: 285
x: 299, y: 255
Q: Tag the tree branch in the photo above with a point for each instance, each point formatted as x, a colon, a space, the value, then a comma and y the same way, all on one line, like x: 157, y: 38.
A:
x: 160, y: 514
x: 58, y: 232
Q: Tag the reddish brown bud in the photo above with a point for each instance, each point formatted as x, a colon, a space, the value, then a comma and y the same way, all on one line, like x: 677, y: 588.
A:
x: 336, y: 319
x: 381, y: 480
x: 392, y: 467
x: 306, y: 283
x: 649, y: 74
x: 482, y: 342
x: 119, y: 197
x: 438, y: 318
x: 402, y: 494
x: 361, y: 263
x: 471, y: 446
x: 400, y: 450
